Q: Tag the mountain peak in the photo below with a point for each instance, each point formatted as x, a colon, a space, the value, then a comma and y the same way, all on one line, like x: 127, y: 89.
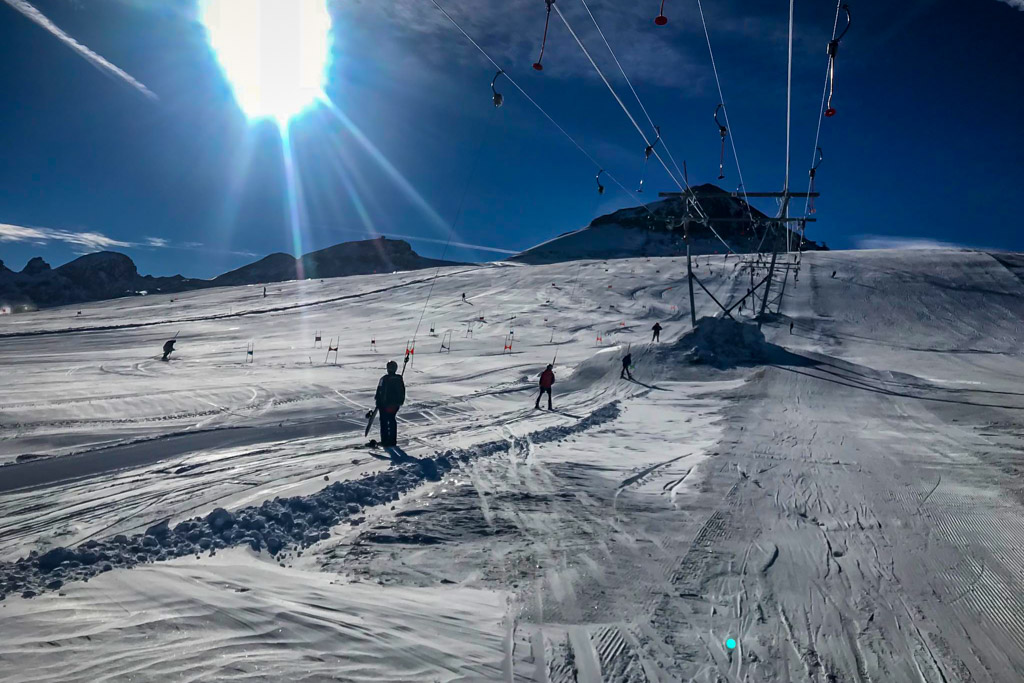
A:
x: 35, y: 266
x: 362, y: 257
x: 654, y: 229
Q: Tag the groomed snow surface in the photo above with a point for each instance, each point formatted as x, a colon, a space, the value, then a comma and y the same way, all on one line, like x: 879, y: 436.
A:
x: 843, y: 501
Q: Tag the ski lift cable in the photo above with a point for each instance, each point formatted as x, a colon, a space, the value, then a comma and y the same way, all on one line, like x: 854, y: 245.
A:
x: 622, y: 71
x: 821, y: 109
x: 614, y: 94
x: 455, y: 220
x: 789, y: 96
x: 784, y: 209
x: 693, y: 201
x: 725, y: 107
x: 725, y: 114
x: 532, y: 101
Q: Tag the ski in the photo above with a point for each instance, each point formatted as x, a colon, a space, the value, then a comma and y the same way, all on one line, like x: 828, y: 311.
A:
x: 369, y: 420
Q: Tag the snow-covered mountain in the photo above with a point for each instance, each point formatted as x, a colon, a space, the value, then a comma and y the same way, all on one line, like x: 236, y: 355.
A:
x: 653, y: 230
x: 93, y: 277
x: 364, y: 257
x: 109, y: 274
x: 650, y: 230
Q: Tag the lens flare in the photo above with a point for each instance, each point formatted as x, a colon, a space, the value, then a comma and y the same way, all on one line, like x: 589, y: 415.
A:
x: 274, y: 53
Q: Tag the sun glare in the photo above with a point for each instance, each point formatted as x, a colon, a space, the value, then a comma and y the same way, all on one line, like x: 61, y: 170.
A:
x: 274, y: 53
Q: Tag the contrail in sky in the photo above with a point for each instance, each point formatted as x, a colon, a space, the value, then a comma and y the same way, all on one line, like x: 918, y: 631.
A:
x: 96, y: 60
x: 414, y: 238
x: 478, y: 247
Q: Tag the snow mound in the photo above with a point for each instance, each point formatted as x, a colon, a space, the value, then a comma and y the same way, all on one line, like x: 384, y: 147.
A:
x: 719, y: 343
x: 277, y: 525
x: 726, y: 343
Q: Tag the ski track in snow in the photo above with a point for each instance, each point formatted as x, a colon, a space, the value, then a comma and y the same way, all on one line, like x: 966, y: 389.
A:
x: 850, y: 512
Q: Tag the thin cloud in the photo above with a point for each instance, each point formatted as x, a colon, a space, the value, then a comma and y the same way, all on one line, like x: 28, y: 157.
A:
x: 431, y: 240
x: 1019, y: 4
x: 88, y: 240
x: 464, y: 245
x: 96, y: 60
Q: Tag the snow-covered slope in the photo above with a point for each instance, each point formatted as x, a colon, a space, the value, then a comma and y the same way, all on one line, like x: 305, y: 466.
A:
x: 842, y: 500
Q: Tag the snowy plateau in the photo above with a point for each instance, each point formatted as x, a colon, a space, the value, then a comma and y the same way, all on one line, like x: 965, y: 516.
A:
x: 832, y: 495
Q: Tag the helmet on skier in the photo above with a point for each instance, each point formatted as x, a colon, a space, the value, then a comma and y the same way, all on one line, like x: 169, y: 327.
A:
x: 550, y: 367
x: 392, y: 367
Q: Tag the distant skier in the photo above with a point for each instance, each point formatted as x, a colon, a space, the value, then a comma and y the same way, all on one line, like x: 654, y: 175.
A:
x: 264, y: 292
x: 463, y: 297
x: 547, y: 380
x: 389, y: 398
x: 168, y: 348
x: 791, y: 327
x: 627, y: 361
x: 656, y: 337
x: 833, y: 275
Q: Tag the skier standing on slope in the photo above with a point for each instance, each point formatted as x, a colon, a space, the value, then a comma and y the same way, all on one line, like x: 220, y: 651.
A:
x: 657, y: 332
x: 547, y: 380
x: 389, y: 398
x: 168, y: 347
x: 626, y: 362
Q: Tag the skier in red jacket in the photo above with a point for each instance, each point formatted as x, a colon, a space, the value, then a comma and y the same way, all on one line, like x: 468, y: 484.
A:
x: 547, y: 380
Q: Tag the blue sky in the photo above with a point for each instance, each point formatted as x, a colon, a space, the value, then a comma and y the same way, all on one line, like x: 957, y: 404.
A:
x: 925, y: 146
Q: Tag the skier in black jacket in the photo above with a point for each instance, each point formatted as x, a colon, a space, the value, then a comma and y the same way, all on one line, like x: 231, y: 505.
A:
x: 627, y: 361
x: 389, y: 398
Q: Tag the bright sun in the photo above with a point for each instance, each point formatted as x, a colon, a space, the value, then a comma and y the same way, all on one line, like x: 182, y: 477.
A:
x: 274, y: 52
